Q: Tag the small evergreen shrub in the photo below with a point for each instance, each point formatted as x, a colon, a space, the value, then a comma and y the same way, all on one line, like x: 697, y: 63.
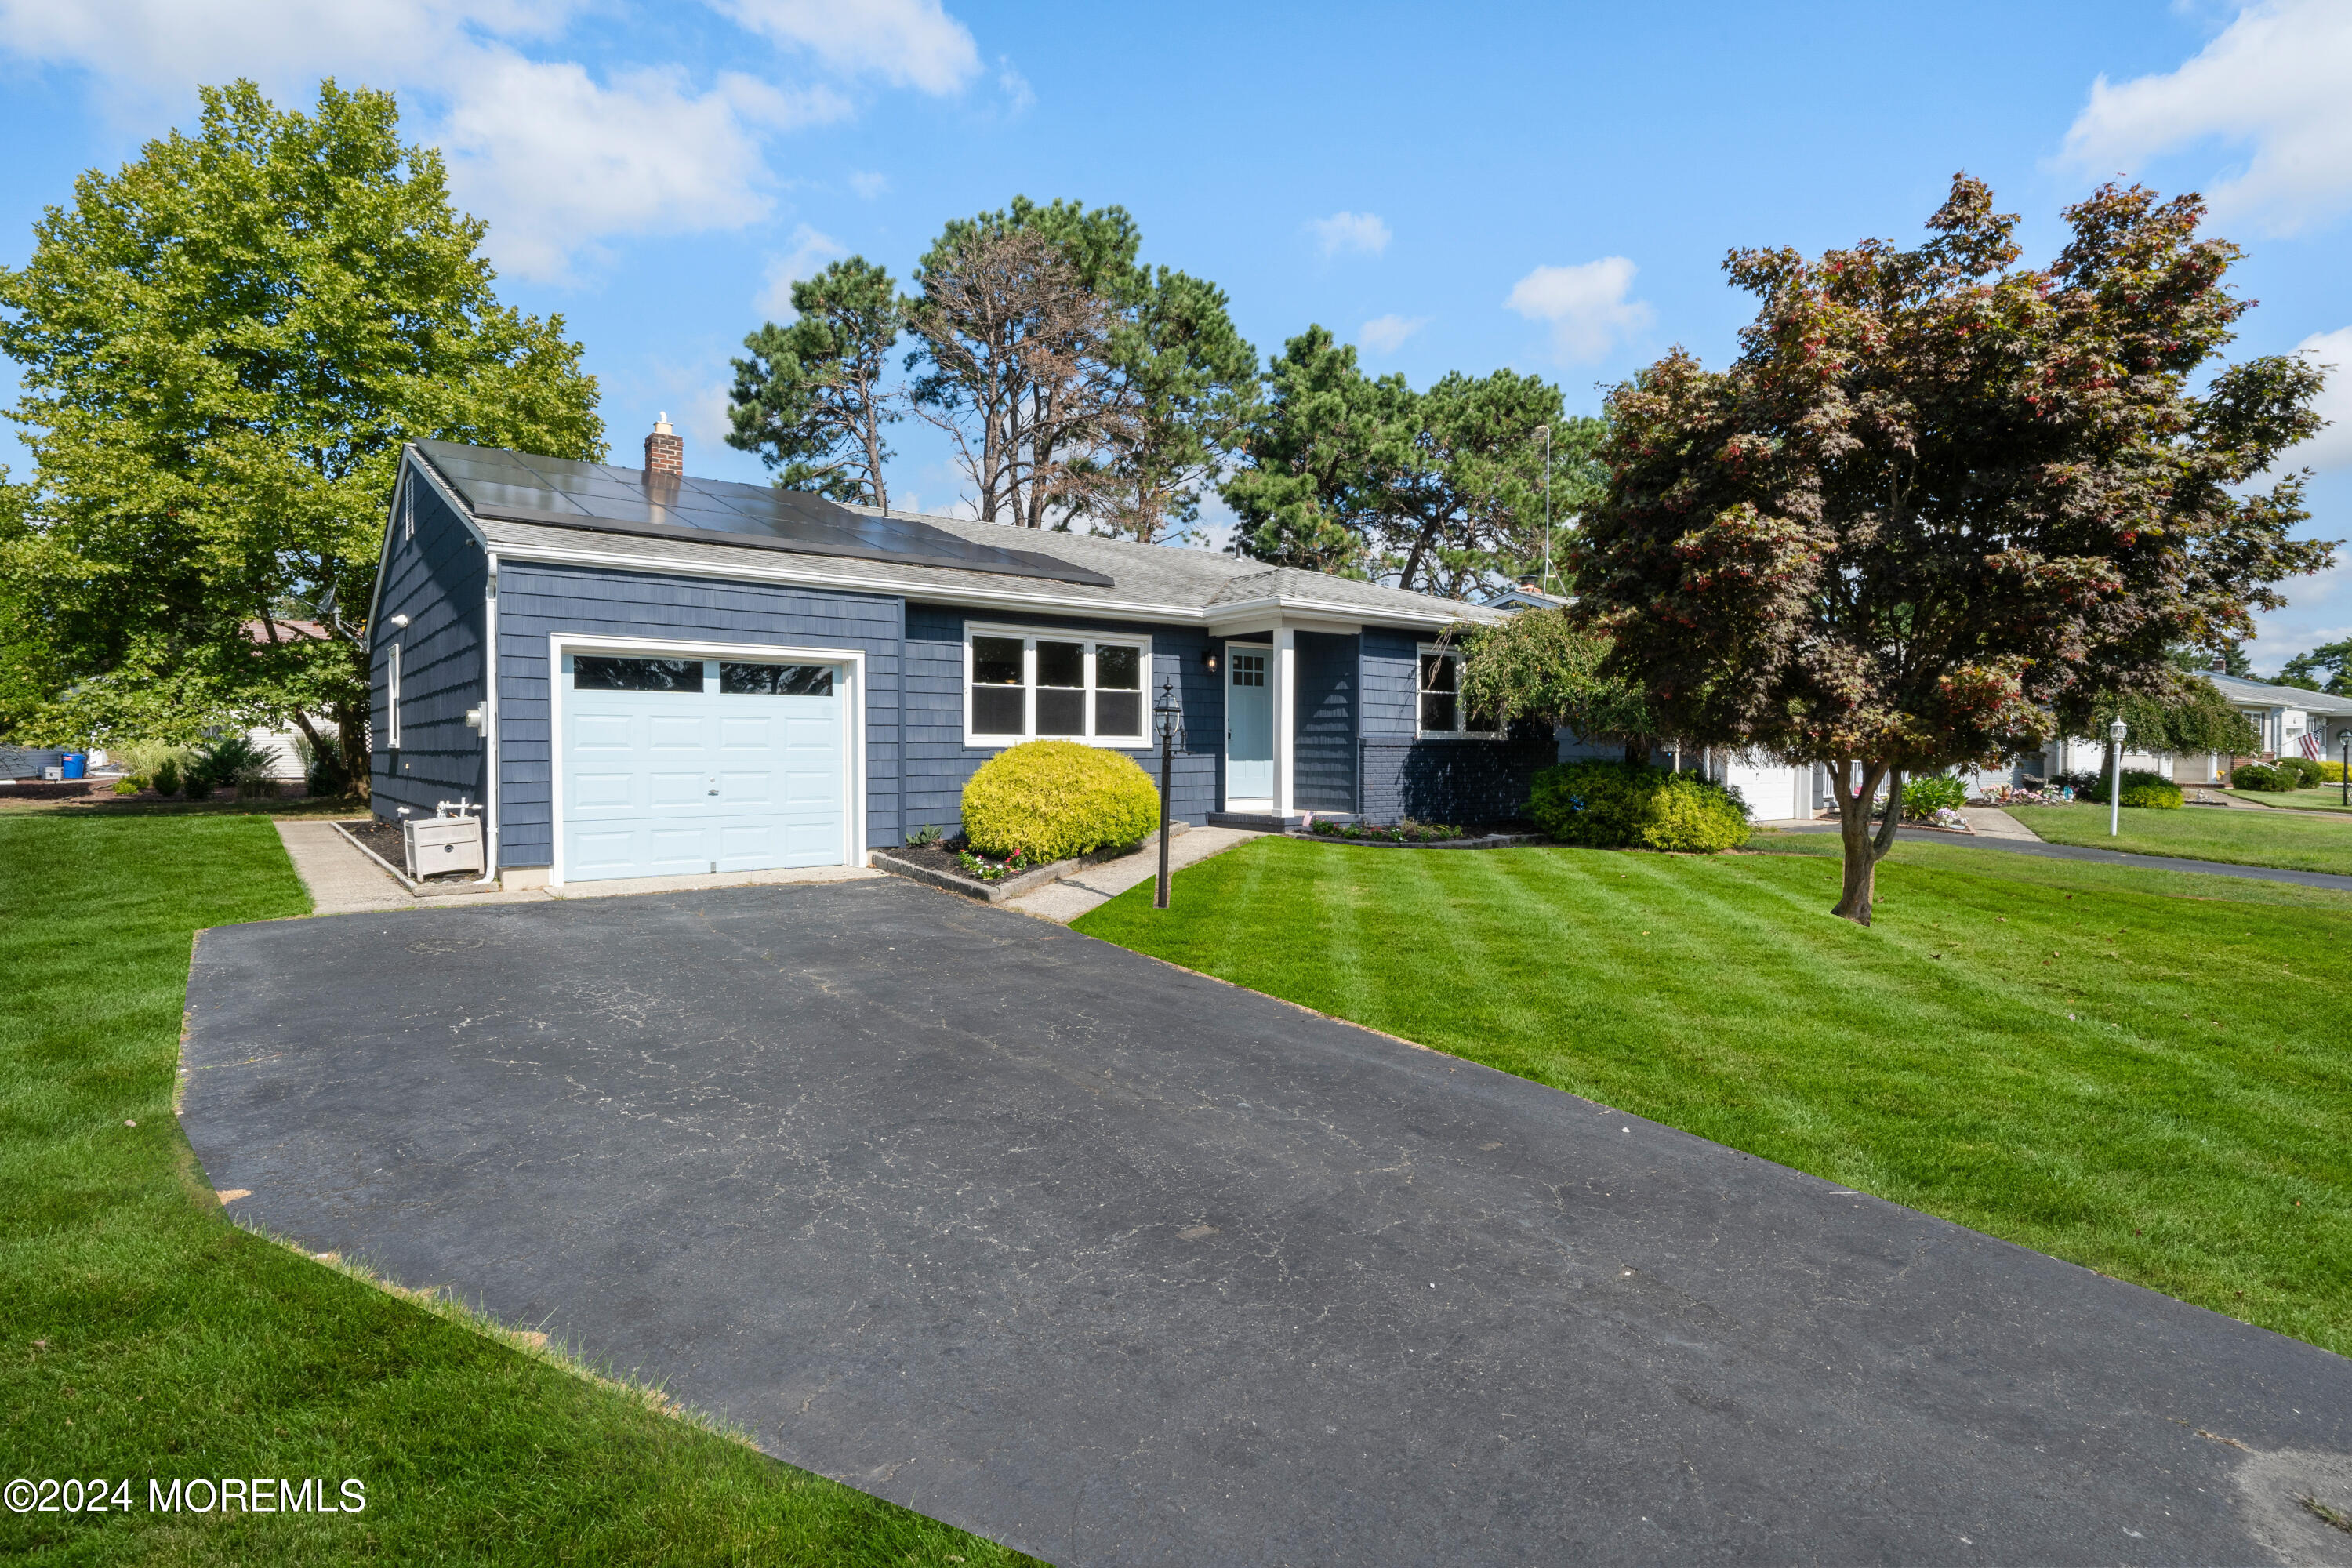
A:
x: 1051, y: 799
x: 2140, y: 788
x: 167, y: 776
x: 1924, y: 797
x: 2153, y: 791
x: 2307, y: 774
x: 2262, y: 776
x: 2331, y: 772
x: 1612, y: 805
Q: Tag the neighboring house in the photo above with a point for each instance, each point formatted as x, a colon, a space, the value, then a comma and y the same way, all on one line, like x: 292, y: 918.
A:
x: 2282, y: 717
x: 695, y: 676
x: 283, y: 747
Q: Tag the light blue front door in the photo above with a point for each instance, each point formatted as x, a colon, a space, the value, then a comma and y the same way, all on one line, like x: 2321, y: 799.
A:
x: 1249, y: 727
x: 676, y: 766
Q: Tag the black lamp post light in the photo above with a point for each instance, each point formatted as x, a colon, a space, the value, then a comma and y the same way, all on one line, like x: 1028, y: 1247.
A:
x: 2345, y: 735
x: 1168, y: 711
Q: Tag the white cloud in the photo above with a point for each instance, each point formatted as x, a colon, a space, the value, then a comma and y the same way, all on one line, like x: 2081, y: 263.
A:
x: 2276, y: 80
x: 869, y: 186
x: 2332, y: 447
x: 558, y: 161
x: 1020, y: 98
x: 1386, y: 334
x: 810, y: 252
x: 555, y: 157
x: 1585, y: 304
x: 1350, y: 231
x: 907, y: 43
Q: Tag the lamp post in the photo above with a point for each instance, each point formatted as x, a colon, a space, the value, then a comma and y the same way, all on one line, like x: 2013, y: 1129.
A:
x: 2346, y: 736
x: 1545, y: 431
x: 1166, y: 711
x: 2116, y: 733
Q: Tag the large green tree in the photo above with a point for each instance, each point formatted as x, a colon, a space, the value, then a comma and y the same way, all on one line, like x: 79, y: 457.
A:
x: 1547, y: 665
x: 1938, y: 493
x: 1311, y: 474
x: 1079, y: 384
x: 224, y: 344
x: 2327, y: 667
x: 815, y: 400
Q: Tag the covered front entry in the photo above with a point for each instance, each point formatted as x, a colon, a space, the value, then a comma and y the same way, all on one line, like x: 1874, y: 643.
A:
x: 672, y: 766
x: 1249, y: 727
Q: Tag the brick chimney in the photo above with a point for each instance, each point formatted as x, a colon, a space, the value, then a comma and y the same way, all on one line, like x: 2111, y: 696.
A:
x: 665, y: 451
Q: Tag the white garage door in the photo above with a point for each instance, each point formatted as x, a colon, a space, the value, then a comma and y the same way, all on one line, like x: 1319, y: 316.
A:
x: 678, y: 766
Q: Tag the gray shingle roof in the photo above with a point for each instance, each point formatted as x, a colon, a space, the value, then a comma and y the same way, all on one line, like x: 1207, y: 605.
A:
x: 2238, y: 688
x: 1142, y: 579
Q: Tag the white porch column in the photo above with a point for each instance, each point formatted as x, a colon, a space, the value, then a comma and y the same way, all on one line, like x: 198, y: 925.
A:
x: 1286, y: 720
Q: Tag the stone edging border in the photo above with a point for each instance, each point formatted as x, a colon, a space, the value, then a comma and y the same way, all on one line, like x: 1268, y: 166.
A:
x: 413, y: 888
x: 1010, y: 887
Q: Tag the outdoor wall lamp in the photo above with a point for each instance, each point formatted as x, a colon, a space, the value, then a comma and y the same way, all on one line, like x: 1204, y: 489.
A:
x: 1209, y: 660
x: 401, y: 621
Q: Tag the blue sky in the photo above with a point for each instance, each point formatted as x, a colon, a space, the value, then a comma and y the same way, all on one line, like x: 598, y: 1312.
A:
x: 1551, y: 188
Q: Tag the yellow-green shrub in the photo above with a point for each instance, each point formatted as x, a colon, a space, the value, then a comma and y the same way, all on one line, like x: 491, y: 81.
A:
x: 1054, y: 799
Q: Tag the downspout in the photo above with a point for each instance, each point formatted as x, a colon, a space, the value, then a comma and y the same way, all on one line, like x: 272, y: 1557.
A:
x: 490, y: 722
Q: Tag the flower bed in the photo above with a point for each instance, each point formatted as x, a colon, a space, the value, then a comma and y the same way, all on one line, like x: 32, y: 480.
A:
x: 1428, y: 834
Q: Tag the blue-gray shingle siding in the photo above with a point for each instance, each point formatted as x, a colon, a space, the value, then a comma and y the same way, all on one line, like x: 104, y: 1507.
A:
x: 434, y: 573
x: 537, y: 600
x: 1323, y: 745
x: 938, y: 763
x: 1438, y: 780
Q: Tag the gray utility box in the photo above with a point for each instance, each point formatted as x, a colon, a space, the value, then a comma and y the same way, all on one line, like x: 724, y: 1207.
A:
x: 439, y: 844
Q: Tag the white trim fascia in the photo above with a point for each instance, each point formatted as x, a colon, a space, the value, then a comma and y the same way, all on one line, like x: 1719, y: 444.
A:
x: 1285, y: 719
x: 975, y: 741
x: 490, y: 716
x: 1349, y: 616
x: 853, y: 708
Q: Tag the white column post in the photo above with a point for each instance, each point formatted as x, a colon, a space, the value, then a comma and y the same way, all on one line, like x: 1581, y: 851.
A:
x: 1285, y: 710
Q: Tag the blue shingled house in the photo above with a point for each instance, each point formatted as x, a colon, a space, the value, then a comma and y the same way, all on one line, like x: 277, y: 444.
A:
x: 701, y: 677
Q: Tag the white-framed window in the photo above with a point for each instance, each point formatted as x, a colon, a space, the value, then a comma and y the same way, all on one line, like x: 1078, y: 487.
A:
x: 392, y: 697
x: 1024, y: 683
x: 1437, y: 696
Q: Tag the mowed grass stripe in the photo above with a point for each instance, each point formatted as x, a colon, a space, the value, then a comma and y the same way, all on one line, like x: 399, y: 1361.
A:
x: 2200, y: 1158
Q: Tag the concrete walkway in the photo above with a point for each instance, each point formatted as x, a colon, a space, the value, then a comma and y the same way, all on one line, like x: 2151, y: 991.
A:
x: 1991, y: 821
x: 1073, y: 895
x: 2113, y: 857
x: 343, y: 880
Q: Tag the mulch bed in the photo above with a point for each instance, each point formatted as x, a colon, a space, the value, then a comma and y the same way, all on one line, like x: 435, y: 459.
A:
x: 46, y: 789
x: 385, y: 839
x: 940, y: 857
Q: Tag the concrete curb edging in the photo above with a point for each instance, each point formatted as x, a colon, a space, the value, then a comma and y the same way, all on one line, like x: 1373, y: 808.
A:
x: 1010, y: 887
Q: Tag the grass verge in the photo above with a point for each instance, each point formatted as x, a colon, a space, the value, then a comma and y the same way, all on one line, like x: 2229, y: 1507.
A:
x: 2143, y: 1072
x: 2326, y: 797
x: 147, y: 1336
x: 2202, y: 833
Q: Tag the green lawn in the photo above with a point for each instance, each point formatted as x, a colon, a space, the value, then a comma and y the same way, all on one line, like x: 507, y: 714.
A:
x: 147, y: 1336
x: 2144, y: 1072
x: 2326, y: 797
x: 2202, y: 833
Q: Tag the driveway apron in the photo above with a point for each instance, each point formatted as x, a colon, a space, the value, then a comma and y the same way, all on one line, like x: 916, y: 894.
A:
x: 1119, y: 1264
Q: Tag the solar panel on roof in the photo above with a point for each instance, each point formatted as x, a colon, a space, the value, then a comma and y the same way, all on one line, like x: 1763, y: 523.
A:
x: 568, y: 493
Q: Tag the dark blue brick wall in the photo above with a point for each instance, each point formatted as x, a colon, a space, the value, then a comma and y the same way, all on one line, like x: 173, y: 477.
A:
x: 938, y: 763
x: 433, y: 574
x: 537, y: 600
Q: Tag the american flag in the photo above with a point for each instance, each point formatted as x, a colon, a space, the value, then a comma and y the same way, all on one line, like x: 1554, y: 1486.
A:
x: 2311, y: 744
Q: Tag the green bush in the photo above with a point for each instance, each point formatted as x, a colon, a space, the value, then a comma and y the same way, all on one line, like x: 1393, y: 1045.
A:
x: 1612, y: 805
x: 2153, y: 791
x: 2306, y: 774
x: 2262, y: 776
x: 1051, y: 799
x: 2331, y: 772
x: 219, y: 764
x: 1923, y: 797
x: 167, y: 776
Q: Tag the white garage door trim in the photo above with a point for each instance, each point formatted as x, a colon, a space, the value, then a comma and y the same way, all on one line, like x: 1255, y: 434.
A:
x: 850, y: 661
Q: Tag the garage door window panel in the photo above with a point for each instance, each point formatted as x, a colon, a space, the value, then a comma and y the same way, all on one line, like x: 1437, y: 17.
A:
x: 775, y: 679
x: 593, y: 672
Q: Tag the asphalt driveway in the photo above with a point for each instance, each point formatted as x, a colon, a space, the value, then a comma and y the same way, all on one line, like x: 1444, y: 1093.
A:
x: 1119, y: 1264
